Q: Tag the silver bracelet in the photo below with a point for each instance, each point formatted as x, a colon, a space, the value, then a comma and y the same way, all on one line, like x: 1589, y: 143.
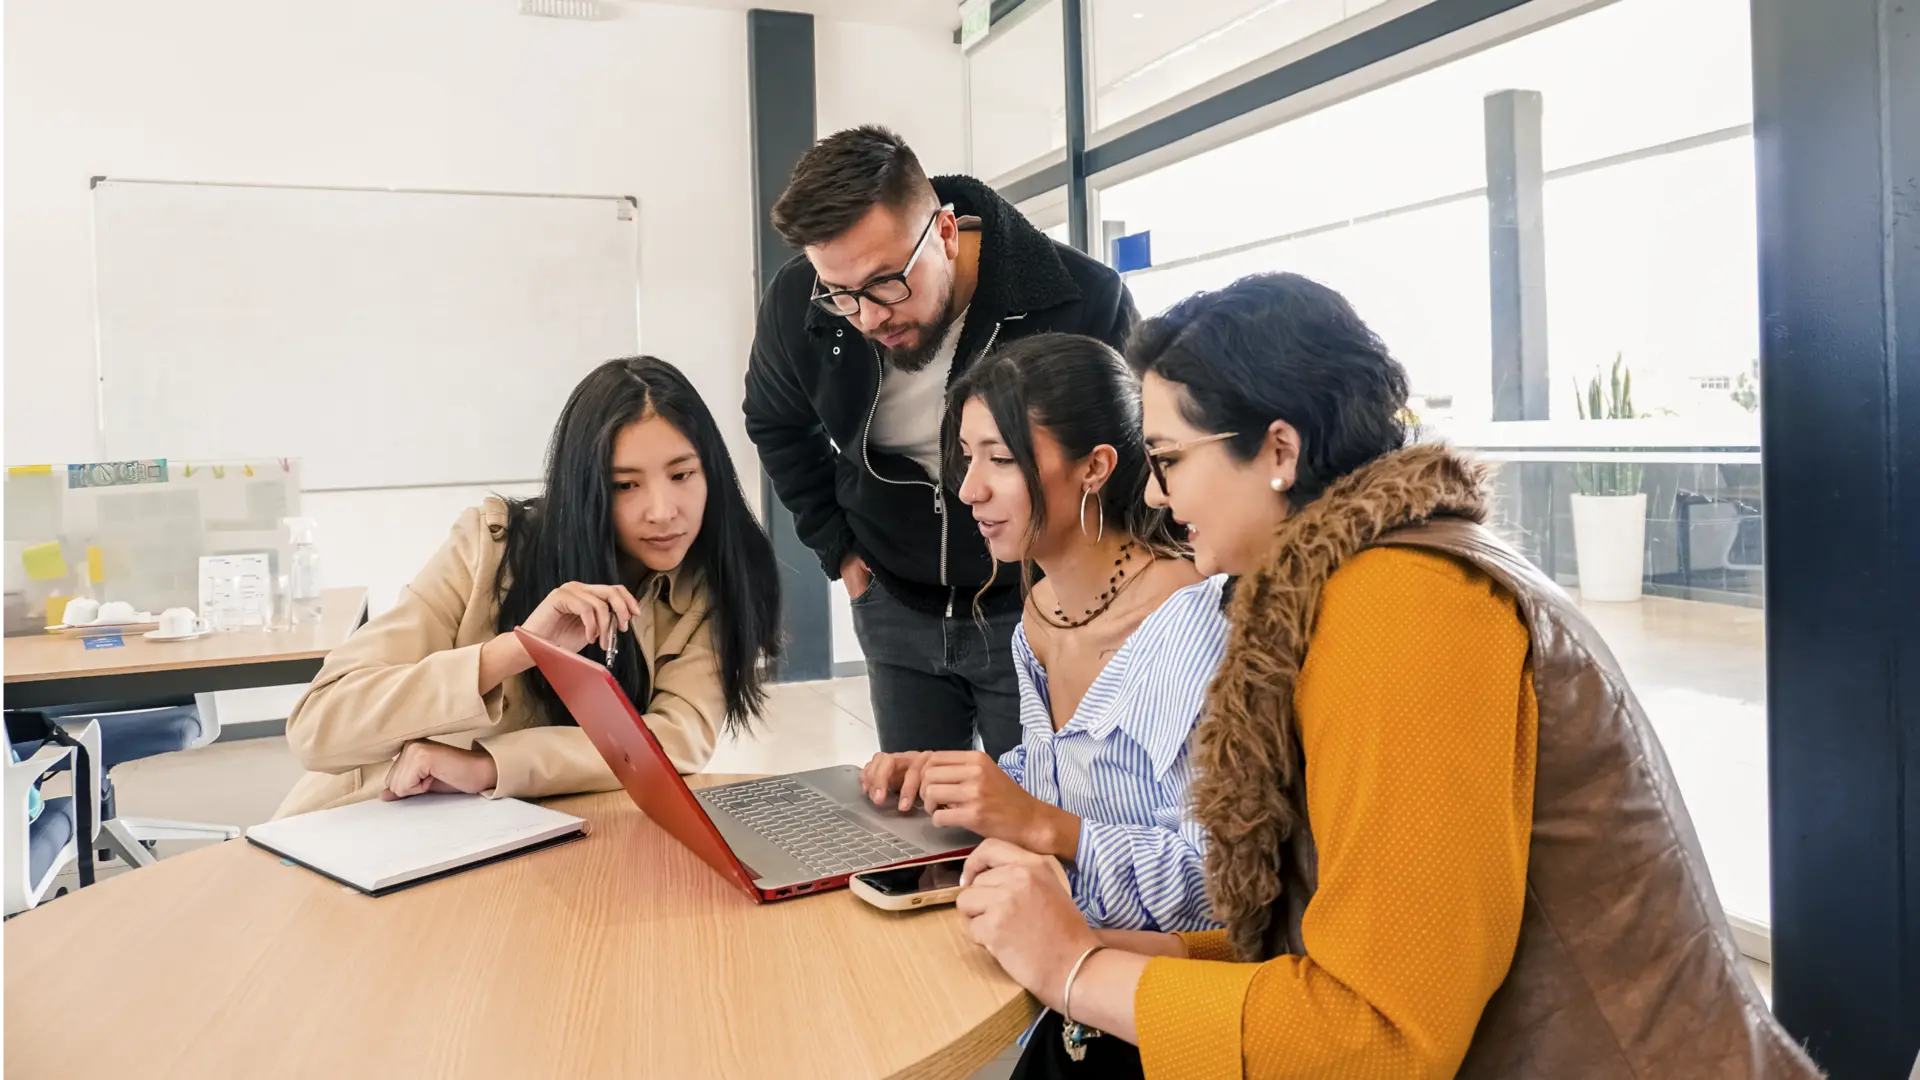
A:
x: 1073, y: 1034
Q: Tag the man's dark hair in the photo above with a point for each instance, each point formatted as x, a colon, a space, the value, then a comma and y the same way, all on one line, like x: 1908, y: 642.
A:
x: 841, y: 178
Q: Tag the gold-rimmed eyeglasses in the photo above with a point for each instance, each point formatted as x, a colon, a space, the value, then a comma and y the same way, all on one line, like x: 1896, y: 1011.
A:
x: 1156, y: 453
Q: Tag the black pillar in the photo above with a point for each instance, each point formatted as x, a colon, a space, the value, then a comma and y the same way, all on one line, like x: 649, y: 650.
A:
x: 1517, y: 246
x: 780, y: 107
x: 1837, y: 131
x: 1073, y: 36
x: 1517, y: 280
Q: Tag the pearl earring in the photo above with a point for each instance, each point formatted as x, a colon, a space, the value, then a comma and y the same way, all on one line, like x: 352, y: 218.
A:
x: 1277, y: 484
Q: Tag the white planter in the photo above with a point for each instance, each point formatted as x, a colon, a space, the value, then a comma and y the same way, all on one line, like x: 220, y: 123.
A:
x: 1610, y: 544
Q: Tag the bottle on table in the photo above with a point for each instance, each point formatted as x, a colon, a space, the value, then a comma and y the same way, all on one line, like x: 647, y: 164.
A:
x: 304, y: 574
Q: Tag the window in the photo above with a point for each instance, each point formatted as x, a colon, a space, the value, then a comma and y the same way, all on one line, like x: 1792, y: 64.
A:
x: 1649, y: 195
x: 1144, y: 52
x: 1017, y: 92
x: 1048, y: 213
x: 1650, y: 259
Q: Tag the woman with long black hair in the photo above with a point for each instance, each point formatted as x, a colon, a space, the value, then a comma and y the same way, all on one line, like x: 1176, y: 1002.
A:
x: 640, y: 551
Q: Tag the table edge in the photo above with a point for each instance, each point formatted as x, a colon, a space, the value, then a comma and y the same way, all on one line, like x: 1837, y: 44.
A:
x: 146, y: 668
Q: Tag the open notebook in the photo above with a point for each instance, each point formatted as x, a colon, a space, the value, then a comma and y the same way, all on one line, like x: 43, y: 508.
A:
x: 378, y: 847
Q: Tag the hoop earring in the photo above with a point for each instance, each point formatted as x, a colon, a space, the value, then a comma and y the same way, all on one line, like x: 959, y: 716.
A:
x: 1100, y: 512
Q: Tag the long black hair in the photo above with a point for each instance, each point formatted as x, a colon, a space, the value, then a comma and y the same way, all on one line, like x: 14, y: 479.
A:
x: 1080, y: 391
x: 567, y: 533
x: 1280, y: 347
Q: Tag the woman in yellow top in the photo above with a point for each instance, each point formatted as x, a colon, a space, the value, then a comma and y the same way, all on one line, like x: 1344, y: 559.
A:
x: 1443, y: 837
x: 640, y: 540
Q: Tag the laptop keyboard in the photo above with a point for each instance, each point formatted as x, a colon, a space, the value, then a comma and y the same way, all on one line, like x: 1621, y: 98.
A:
x: 806, y: 825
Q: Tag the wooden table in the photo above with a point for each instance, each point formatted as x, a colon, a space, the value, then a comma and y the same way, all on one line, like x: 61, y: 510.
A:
x: 57, y: 669
x: 621, y: 955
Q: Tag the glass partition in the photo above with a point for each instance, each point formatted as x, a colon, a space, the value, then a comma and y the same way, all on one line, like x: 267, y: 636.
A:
x: 136, y: 530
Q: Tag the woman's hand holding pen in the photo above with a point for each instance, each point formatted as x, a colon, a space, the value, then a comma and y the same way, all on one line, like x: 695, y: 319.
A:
x: 572, y: 616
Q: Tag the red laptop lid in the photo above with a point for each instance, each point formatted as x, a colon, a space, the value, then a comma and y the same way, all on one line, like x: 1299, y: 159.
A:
x: 602, y: 710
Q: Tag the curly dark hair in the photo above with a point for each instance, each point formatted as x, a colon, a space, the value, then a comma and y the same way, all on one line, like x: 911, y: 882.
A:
x: 1280, y: 347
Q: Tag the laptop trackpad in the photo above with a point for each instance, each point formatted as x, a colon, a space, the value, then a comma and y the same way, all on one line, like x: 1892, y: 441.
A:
x: 842, y: 785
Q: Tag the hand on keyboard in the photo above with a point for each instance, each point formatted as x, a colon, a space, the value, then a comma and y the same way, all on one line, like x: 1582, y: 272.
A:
x: 807, y: 825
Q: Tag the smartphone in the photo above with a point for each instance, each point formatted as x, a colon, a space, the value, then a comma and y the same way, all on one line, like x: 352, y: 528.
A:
x: 903, y: 888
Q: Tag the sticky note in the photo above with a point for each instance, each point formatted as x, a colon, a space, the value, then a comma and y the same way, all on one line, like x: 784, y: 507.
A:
x: 27, y: 470
x: 44, y: 562
x: 96, y: 569
x: 57, y: 609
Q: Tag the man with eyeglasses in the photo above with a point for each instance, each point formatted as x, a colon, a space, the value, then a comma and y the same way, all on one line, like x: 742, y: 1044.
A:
x: 903, y: 282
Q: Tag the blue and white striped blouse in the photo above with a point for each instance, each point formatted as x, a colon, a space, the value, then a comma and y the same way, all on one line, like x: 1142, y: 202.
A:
x: 1121, y: 765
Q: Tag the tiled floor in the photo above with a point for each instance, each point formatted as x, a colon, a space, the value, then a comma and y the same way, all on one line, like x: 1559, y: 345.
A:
x: 1699, y: 671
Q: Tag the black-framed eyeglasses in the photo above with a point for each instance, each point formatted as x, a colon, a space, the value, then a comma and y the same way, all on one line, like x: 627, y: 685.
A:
x: 1155, y: 453
x: 885, y: 291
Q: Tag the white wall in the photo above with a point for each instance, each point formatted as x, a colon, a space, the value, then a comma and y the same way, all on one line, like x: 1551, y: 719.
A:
x: 427, y: 93
x: 908, y: 78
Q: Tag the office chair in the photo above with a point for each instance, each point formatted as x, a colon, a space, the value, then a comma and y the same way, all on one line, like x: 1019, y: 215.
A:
x: 38, y: 849
x: 129, y: 732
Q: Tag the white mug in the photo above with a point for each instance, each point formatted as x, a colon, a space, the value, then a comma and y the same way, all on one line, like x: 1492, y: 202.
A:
x: 117, y: 611
x: 180, y: 622
x: 81, y: 611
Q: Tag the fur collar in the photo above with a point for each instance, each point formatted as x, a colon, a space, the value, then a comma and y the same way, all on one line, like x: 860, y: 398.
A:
x: 1249, y: 792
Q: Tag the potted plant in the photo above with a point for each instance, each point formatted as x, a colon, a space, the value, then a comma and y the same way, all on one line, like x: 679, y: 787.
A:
x: 1610, y: 511
x: 1746, y: 389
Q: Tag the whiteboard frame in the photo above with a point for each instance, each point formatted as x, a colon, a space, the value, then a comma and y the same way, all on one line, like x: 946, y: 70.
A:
x: 99, y: 365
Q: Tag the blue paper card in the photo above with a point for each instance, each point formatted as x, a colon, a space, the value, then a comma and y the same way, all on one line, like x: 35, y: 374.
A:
x: 1133, y: 251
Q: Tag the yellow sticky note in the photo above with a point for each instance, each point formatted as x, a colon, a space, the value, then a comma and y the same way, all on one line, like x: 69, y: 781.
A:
x: 57, y: 609
x: 28, y: 470
x: 44, y: 562
x: 96, y: 569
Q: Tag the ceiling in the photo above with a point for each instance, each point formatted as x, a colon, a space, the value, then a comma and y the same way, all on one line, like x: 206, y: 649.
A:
x: 938, y: 15
x: 1129, y: 34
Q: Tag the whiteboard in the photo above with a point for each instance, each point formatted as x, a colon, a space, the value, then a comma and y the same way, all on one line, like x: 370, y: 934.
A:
x: 386, y: 338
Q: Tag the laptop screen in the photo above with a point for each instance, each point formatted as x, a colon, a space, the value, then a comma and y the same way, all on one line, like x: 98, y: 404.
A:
x: 617, y: 730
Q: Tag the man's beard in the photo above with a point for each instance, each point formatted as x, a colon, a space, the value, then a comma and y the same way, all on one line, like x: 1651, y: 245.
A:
x: 917, y: 357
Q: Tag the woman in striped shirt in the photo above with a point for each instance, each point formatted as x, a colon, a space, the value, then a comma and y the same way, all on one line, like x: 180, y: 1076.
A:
x: 1115, y: 650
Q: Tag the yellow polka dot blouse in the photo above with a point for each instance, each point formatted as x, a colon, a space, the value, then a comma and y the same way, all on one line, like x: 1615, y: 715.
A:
x: 1418, y: 724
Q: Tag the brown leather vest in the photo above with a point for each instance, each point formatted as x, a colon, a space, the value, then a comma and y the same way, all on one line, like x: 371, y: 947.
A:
x: 1625, y: 965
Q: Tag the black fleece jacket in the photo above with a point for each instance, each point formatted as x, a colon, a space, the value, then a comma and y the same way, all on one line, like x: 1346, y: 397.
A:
x: 813, y: 381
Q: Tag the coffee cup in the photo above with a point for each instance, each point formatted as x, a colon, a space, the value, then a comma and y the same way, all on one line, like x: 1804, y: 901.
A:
x: 81, y: 611
x: 117, y: 611
x: 181, y: 622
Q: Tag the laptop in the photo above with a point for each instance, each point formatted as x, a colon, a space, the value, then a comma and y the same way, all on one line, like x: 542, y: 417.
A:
x: 776, y: 837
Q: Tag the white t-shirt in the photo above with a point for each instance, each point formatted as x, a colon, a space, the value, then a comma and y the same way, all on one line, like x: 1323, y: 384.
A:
x: 912, y: 403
